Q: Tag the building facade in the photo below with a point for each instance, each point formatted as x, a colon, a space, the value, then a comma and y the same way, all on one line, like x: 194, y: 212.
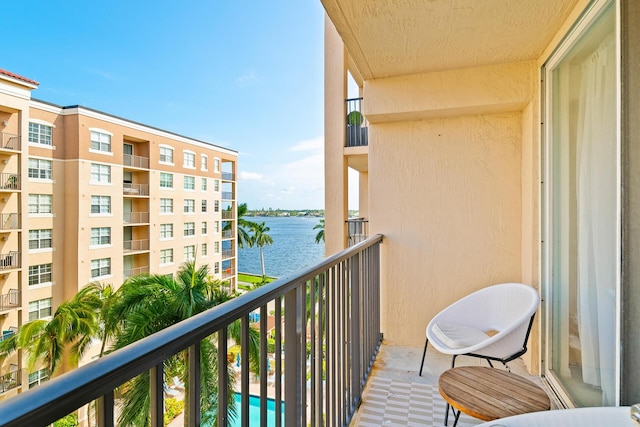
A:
x: 500, y: 146
x: 86, y: 196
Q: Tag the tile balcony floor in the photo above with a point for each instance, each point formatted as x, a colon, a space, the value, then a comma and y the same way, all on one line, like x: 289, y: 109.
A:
x: 396, y: 396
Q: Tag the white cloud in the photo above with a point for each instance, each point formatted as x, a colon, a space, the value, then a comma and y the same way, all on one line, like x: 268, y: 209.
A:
x: 101, y: 73
x: 296, y: 184
x: 246, y: 79
x: 316, y: 144
x: 250, y: 176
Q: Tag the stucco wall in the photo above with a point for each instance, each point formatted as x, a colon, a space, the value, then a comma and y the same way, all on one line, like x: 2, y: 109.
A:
x: 448, y: 201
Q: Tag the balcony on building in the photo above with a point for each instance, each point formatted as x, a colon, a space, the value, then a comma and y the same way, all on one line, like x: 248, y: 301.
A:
x: 135, y: 183
x: 357, y: 125
x: 129, y: 272
x: 11, y: 379
x: 136, y: 211
x: 9, y: 222
x: 357, y: 230
x: 9, y: 182
x: 10, y: 301
x: 135, y: 153
x: 135, y: 246
x: 9, y: 261
x: 136, y: 218
x: 133, y: 190
x: 9, y: 143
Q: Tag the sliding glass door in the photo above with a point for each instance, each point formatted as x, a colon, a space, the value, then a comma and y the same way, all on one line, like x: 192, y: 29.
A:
x: 581, y: 213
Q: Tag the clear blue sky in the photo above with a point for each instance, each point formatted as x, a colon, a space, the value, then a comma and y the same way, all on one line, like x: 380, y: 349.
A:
x: 244, y: 75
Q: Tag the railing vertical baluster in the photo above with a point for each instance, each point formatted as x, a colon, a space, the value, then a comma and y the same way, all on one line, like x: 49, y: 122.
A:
x: 223, y: 379
x: 320, y: 351
x: 330, y: 353
x: 302, y: 354
x: 344, y: 342
x: 278, y: 350
x: 194, y: 384
x: 105, y: 412
x: 313, y: 286
x: 244, y: 412
x: 333, y: 361
x: 156, y: 386
x: 263, y: 366
x: 292, y: 331
x: 356, y: 345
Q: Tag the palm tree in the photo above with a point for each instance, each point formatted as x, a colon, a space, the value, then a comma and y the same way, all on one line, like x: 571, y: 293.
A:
x: 319, y: 226
x: 149, y: 303
x: 244, y: 239
x: 261, y: 238
x: 75, y: 323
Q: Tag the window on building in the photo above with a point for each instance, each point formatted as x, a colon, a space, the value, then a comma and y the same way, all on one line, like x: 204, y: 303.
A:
x: 203, y: 229
x: 216, y: 185
x: 203, y: 162
x: 216, y: 226
x: 204, y: 249
x: 40, y: 168
x: 39, y: 309
x: 100, y: 267
x: 216, y: 247
x: 39, y: 274
x: 166, y: 205
x: 216, y: 165
x: 100, y: 204
x: 189, y: 206
x: 166, y: 154
x: 40, y: 134
x: 100, y: 141
x: 166, y: 256
x: 38, y: 377
x: 189, y: 182
x: 204, y: 184
x: 40, y: 203
x: 166, y: 231
x: 166, y: 180
x: 189, y: 252
x: 40, y: 239
x: 100, y: 173
x: 189, y: 228
x: 216, y: 268
x: 189, y: 160
x: 216, y: 206
x: 204, y: 206
x: 100, y: 236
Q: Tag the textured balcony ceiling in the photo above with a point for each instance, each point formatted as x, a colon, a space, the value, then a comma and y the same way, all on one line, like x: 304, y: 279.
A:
x: 397, y: 37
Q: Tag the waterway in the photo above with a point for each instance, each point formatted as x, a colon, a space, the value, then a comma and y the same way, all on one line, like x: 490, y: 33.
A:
x: 294, y: 247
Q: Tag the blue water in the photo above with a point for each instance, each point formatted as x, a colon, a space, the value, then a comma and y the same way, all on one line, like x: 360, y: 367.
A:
x: 254, y: 412
x: 293, y: 247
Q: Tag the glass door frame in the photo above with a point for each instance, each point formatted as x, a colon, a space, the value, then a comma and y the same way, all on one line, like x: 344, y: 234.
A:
x: 583, y: 23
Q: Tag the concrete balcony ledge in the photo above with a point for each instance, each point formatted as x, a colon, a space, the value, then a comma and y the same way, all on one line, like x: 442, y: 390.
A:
x: 396, y: 396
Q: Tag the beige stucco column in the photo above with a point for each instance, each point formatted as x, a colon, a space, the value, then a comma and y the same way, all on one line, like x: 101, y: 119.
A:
x: 335, y: 165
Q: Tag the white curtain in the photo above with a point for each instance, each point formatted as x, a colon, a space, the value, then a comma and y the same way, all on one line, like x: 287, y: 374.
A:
x: 596, y: 185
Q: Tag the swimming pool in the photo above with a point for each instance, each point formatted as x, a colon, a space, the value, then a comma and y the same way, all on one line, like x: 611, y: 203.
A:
x: 254, y: 412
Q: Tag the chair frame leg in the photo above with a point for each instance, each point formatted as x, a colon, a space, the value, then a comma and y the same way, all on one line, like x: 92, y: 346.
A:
x: 424, y: 353
x: 446, y: 414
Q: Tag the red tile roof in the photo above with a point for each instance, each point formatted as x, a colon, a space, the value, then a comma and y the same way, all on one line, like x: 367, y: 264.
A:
x: 19, y: 77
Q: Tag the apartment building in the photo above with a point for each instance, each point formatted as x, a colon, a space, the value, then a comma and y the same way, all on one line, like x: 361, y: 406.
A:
x: 501, y: 145
x: 87, y: 196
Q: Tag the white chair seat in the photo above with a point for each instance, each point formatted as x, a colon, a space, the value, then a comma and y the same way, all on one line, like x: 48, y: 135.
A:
x: 458, y: 336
